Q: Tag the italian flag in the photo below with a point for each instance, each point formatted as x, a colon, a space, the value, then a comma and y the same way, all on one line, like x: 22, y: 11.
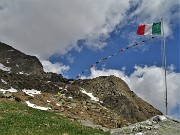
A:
x: 149, y: 29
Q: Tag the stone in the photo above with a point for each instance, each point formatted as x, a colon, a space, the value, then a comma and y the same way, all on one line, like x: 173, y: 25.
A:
x: 89, y: 104
x: 60, y: 103
x: 11, y: 99
x: 1, y: 94
x: 73, y: 105
x: 62, y: 109
x: 105, y: 129
x: 97, y: 110
x: 89, y: 123
x: 6, y: 95
x: 55, y: 108
x: 93, y: 106
x: 84, y: 102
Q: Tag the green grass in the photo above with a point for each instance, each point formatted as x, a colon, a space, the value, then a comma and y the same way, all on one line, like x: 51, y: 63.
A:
x: 19, y: 119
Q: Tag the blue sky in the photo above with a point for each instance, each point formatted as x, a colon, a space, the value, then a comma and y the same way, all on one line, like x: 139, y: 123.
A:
x: 148, y: 53
x: 69, y: 36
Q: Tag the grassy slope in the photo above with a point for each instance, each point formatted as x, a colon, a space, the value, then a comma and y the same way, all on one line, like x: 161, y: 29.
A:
x: 18, y: 119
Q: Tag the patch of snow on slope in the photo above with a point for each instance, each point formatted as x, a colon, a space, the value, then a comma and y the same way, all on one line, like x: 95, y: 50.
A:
x: 162, y: 117
x: 9, y: 90
x: 22, y: 73
x: 3, y: 81
x: 90, y: 95
x: 4, y: 68
x: 140, y: 133
x: 31, y: 92
x: 158, y: 118
x: 36, y: 107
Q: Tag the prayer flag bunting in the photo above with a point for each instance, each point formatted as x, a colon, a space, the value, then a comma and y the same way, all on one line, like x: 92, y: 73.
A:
x: 121, y: 50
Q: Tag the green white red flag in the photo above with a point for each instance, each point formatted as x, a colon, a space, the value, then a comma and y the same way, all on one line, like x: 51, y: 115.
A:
x: 149, y: 29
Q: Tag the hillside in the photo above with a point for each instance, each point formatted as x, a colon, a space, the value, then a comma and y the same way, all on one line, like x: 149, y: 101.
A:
x: 19, y: 119
x: 104, y: 102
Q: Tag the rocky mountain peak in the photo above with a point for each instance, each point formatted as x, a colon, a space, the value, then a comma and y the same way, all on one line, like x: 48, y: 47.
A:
x: 117, y: 96
x: 19, y: 62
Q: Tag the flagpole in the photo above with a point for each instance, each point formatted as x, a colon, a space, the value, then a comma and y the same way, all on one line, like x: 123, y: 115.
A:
x: 164, y: 65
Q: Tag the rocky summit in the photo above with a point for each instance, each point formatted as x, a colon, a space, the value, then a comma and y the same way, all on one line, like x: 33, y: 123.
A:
x: 116, y: 96
x: 104, y: 102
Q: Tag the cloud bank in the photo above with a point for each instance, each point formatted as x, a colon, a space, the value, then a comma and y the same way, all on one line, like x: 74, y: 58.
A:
x: 148, y: 83
x: 46, y: 27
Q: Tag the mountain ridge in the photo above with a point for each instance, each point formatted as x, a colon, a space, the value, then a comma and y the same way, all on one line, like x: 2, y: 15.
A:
x: 106, y: 101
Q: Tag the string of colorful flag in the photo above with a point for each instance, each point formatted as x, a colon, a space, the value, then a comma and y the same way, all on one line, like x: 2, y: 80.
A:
x: 119, y: 51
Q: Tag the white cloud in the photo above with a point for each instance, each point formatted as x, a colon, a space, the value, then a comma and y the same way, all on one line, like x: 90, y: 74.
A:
x: 55, y: 68
x: 154, y: 9
x: 148, y: 83
x: 46, y: 27
x: 150, y: 11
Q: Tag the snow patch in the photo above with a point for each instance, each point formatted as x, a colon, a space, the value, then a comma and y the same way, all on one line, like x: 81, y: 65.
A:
x: 58, y: 104
x: 61, y: 88
x: 31, y: 92
x: 37, y: 107
x: 70, y: 97
x: 90, y: 95
x: 140, y: 133
x: 3, y: 81
x: 22, y: 73
x: 162, y: 117
x: 4, y: 68
x: 9, y: 90
x: 159, y: 118
x: 64, y: 87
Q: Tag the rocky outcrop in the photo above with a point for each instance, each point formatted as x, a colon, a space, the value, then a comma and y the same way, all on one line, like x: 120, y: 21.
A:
x: 157, y: 125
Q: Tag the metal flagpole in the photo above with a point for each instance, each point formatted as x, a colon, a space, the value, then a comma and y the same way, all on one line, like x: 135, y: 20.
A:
x: 164, y: 65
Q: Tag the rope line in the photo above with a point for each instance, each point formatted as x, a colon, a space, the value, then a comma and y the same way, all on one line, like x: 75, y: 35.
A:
x: 119, y: 51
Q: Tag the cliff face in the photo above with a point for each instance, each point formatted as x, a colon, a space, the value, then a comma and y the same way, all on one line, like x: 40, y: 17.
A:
x: 105, y: 100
